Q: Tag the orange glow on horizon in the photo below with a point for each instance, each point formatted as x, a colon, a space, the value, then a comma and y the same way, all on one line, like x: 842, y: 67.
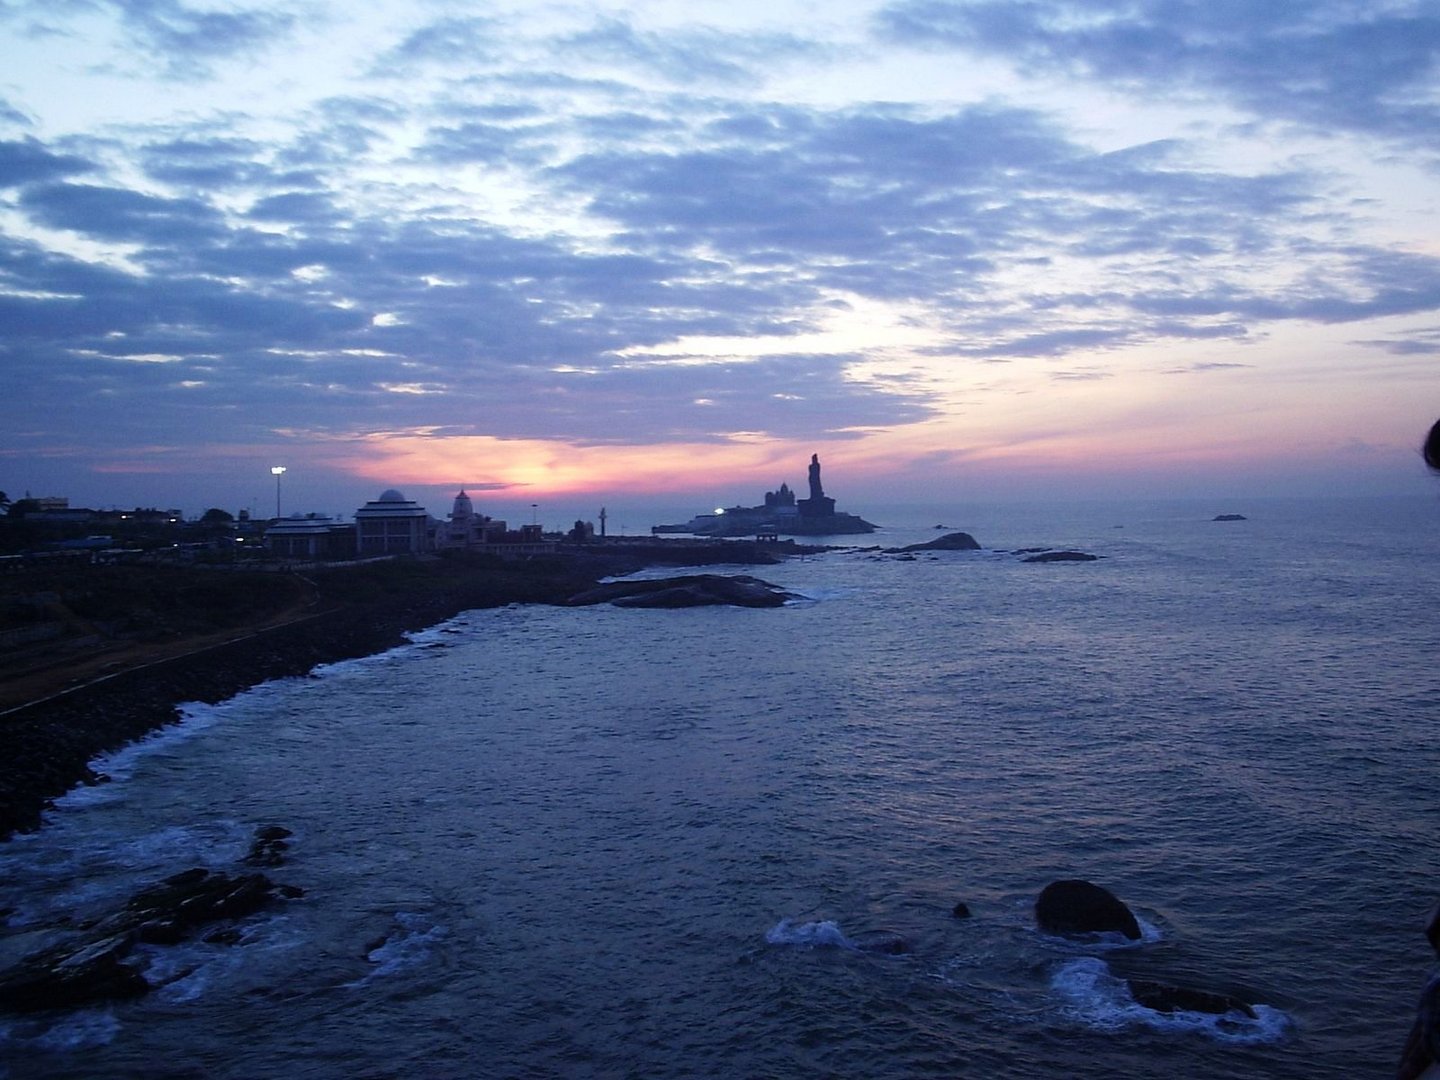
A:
x: 535, y: 467
x: 540, y: 467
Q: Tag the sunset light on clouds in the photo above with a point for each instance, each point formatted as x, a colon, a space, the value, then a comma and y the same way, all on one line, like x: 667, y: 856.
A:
x: 599, y: 252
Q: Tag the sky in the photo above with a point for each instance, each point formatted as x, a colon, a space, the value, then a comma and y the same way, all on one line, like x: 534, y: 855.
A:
x: 581, y: 254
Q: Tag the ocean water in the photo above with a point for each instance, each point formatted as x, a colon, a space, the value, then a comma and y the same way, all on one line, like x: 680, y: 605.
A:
x: 544, y: 842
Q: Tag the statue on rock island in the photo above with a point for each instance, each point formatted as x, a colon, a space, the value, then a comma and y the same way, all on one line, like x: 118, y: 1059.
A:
x: 817, y: 491
x: 782, y: 513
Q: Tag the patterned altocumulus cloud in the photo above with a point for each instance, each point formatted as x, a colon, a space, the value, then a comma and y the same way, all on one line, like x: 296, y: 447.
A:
x: 596, y: 227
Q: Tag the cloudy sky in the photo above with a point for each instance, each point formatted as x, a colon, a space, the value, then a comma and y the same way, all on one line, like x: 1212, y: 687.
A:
x: 594, y: 253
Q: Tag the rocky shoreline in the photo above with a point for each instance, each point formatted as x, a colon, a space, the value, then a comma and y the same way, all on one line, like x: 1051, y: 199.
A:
x: 51, y: 742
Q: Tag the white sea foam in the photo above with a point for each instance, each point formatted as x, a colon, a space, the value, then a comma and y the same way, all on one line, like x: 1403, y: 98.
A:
x: 826, y: 933
x: 410, y: 944
x: 1108, y: 941
x: 1101, y: 1000
x: 119, y: 765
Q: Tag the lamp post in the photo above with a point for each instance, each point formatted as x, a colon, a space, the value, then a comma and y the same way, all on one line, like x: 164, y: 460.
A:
x: 277, y: 471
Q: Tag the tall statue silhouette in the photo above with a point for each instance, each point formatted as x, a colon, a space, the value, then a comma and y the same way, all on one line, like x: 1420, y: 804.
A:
x: 816, y: 491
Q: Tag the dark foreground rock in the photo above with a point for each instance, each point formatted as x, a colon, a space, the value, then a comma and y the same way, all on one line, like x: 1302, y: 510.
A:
x: 956, y: 541
x: 1075, y: 907
x: 693, y: 590
x: 98, y: 965
x: 1162, y: 997
x: 1228, y: 517
x: 1060, y: 556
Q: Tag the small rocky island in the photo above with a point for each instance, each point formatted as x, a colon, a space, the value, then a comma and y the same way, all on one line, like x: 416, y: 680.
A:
x: 691, y: 590
x: 780, y: 514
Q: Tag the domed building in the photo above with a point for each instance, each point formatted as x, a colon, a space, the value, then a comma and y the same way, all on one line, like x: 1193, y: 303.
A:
x: 391, y: 525
x: 466, y: 528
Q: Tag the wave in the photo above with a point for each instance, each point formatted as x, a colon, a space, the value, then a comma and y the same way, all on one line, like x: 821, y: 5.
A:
x: 1103, y: 1001
x: 410, y: 943
x: 826, y: 933
x: 810, y: 935
x: 119, y: 765
x: 1107, y: 941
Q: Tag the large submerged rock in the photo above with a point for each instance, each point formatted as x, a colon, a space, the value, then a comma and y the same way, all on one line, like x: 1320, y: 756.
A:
x: 1162, y: 997
x: 1061, y: 556
x: 694, y: 590
x: 1072, y: 907
x: 955, y: 541
x: 97, y: 965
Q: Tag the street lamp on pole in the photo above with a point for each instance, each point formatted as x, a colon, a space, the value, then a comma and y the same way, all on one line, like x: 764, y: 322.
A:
x: 277, y: 471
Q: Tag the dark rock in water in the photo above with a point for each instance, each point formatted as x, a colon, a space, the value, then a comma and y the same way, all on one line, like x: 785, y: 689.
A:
x: 960, y: 911
x: 1165, y: 998
x: 269, y: 846
x: 92, y: 968
x: 1079, y: 907
x: 956, y: 541
x: 73, y: 974
x: 695, y: 590
x: 1229, y: 517
x: 1061, y: 556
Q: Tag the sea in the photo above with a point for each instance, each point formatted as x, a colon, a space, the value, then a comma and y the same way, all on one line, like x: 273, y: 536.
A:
x: 541, y: 841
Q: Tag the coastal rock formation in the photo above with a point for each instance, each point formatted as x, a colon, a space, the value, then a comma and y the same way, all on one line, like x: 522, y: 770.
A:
x: 1060, y: 556
x: 72, y: 975
x: 1072, y: 907
x: 1162, y: 997
x: 95, y: 966
x: 694, y: 590
x: 781, y: 514
x: 956, y: 541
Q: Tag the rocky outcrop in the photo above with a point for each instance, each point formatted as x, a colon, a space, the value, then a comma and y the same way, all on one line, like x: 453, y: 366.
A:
x: 694, y: 590
x: 1229, y: 517
x: 1162, y: 997
x: 956, y: 541
x: 1072, y: 907
x: 1060, y: 556
x: 99, y: 965
x: 72, y: 975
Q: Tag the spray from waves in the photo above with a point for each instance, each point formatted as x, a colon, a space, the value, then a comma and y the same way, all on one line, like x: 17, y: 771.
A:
x: 1102, y: 1001
x: 809, y: 935
x: 185, y: 972
x: 410, y: 943
x: 119, y: 765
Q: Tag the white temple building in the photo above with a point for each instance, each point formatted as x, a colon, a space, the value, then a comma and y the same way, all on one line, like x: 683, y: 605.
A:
x: 466, y: 528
